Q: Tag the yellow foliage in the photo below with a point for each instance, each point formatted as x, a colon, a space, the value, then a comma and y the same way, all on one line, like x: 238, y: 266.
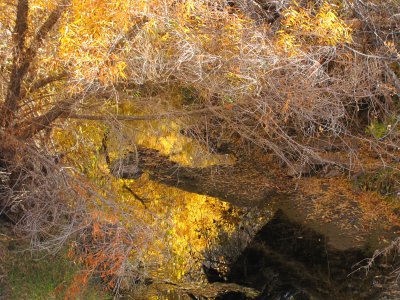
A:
x: 308, y: 27
x: 186, y: 223
x: 88, y: 34
x: 190, y: 223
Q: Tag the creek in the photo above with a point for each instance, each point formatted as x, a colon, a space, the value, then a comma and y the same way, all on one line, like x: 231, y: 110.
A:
x: 256, y: 241
x: 284, y: 259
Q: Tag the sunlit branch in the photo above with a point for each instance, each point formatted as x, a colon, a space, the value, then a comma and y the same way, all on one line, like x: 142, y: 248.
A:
x: 40, y: 83
x: 52, y: 19
x: 23, y: 58
x: 42, y: 33
x: 372, y: 56
x: 128, y: 36
x: 394, y: 77
x: 31, y: 127
x: 138, y: 118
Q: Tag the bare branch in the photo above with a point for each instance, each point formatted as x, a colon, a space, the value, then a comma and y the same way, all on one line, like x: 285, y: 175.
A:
x: 394, y: 77
x: 139, y: 118
x: 32, y: 127
x: 17, y: 72
x: 40, y: 83
x: 128, y: 36
x: 48, y: 25
x: 136, y: 196
x: 47, y: 80
x: 371, y: 55
x: 23, y: 58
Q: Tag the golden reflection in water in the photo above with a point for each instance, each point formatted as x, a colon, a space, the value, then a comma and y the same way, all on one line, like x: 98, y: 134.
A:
x: 189, y: 224
x: 186, y: 223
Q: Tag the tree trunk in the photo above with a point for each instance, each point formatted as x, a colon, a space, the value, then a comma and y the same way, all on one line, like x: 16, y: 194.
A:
x: 241, y: 184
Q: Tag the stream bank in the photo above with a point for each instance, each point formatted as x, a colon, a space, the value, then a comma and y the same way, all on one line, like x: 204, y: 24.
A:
x: 287, y: 260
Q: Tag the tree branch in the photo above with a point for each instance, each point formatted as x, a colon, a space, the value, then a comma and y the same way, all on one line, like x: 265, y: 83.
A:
x: 42, y: 33
x: 241, y: 184
x: 47, y: 26
x: 136, y: 196
x: 40, y: 83
x: 139, y: 118
x: 128, y: 36
x: 392, y: 74
x: 23, y: 57
x: 62, y: 108
x: 14, y: 88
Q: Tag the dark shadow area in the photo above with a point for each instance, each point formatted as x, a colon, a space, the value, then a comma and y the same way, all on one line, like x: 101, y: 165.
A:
x: 286, y: 260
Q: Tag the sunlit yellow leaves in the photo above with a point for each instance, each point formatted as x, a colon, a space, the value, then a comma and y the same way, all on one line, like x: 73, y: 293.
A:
x: 287, y: 42
x: 43, y: 5
x: 185, y: 223
x: 190, y: 223
x: 164, y: 136
x: 331, y: 28
x: 304, y: 28
x: 189, y: 7
x: 92, y: 27
x: 38, y: 11
x: 88, y: 35
x: 80, y: 144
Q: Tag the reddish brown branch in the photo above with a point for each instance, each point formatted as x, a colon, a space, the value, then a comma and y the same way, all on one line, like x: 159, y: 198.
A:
x: 48, y: 25
x: 23, y: 58
x: 62, y: 108
x: 41, y: 35
x: 40, y: 83
x: 17, y: 72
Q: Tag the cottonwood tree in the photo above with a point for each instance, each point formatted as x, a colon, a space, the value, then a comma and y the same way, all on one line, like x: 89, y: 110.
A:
x: 63, y: 57
x: 57, y: 56
x: 295, y: 79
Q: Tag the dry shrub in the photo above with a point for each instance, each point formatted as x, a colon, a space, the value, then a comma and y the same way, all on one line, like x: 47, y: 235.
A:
x: 53, y: 205
x: 392, y: 250
x: 104, y: 248
x: 254, y: 90
x: 281, y: 101
x: 41, y: 198
x: 388, y: 260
